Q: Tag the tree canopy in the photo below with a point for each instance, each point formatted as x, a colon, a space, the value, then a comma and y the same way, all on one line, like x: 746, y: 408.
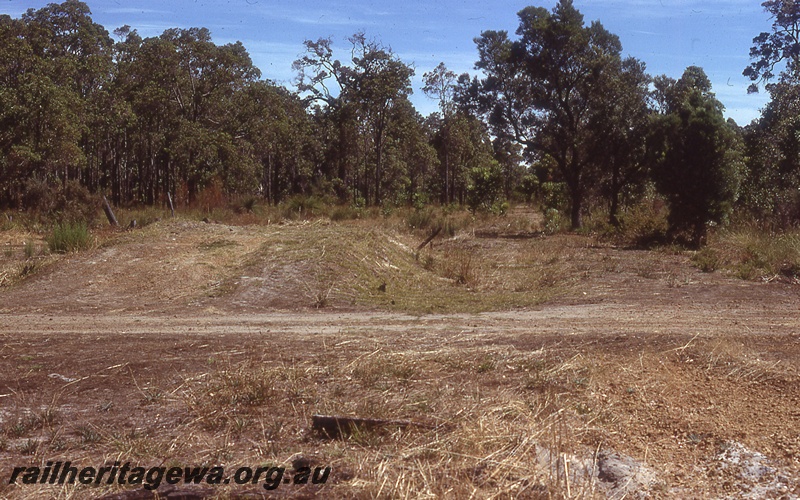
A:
x: 554, y: 115
x: 544, y: 89
x: 698, y: 156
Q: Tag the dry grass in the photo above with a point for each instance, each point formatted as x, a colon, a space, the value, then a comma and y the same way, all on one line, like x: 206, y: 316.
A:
x: 24, y: 253
x: 497, y: 410
x: 505, y: 434
x: 360, y: 264
x: 750, y: 253
x: 488, y: 421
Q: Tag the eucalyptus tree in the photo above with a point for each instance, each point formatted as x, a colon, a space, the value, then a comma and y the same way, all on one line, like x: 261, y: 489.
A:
x: 460, y: 138
x: 363, y: 98
x: 776, y: 48
x: 55, y: 61
x: 620, y: 122
x: 181, y: 89
x: 774, y: 140
x: 275, y: 124
x: 542, y: 89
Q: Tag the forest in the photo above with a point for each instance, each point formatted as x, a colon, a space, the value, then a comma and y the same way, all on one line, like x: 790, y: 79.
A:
x: 554, y: 115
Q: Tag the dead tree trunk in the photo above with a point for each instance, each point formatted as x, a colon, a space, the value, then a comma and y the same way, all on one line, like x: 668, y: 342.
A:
x: 109, y: 213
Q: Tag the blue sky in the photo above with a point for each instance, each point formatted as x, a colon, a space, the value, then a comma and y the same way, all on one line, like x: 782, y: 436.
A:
x: 668, y: 35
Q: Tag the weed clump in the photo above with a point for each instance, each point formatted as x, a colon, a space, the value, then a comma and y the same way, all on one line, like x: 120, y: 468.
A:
x: 752, y: 253
x: 68, y: 237
x: 420, y: 219
x: 30, y: 249
x: 303, y: 207
x: 706, y: 259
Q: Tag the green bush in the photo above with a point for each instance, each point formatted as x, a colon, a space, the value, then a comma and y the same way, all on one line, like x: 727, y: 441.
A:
x: 70, y: 202
x: 485, y: 186
x: 554, y: 195
x: 553, y: 221
x: 244, y: 204
x: 68, y: 237
x: 706, y: 259
x: 645, y: 224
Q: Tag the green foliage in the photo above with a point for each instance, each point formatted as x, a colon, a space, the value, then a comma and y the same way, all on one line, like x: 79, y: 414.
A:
x: 68, y: 237
x: 770, y: 190
x: 699, y: 163
x: 499, y: 208
x: 484, y: 188
x: 70, y: 202
x: 387, y: 208
x: 773, y: 143
x: 179, y: 114
x: 301, y: 206
x: 620, y: 127
x: 645, y: 223
x: 529, y: 186
x: 553, y: 221
x: 554, y: 195
x: 706, y: 259
x: 556, y: 55
x: 366, y: 115
x: 782, y: 45
x: 244, y: 204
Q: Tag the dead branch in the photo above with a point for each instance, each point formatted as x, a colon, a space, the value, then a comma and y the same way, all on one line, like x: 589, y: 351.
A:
x: 429, y: 238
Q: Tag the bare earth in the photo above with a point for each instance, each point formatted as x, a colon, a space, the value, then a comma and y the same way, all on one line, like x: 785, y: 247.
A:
x: 692, y: 376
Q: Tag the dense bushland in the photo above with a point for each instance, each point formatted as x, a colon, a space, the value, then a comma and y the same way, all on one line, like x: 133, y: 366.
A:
x: 555, y: 116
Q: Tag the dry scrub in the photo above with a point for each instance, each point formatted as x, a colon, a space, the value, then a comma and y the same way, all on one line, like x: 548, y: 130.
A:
x: 602, y: 371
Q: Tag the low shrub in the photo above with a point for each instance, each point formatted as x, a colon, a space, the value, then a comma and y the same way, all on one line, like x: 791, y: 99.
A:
x: 645, y: 224
x: 346, y: 213
x: 244, y: 204
x: 30, y: 249
x: 751, y: 253
x: 420, y: 219
x: 706, y: 259
x: 64, y: 203
x: 301, y: 206
x: 554, y: 221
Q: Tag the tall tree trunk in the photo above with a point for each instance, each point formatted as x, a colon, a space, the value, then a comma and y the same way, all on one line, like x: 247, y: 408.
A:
x: 575, y: 217
x: 615, y: 189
